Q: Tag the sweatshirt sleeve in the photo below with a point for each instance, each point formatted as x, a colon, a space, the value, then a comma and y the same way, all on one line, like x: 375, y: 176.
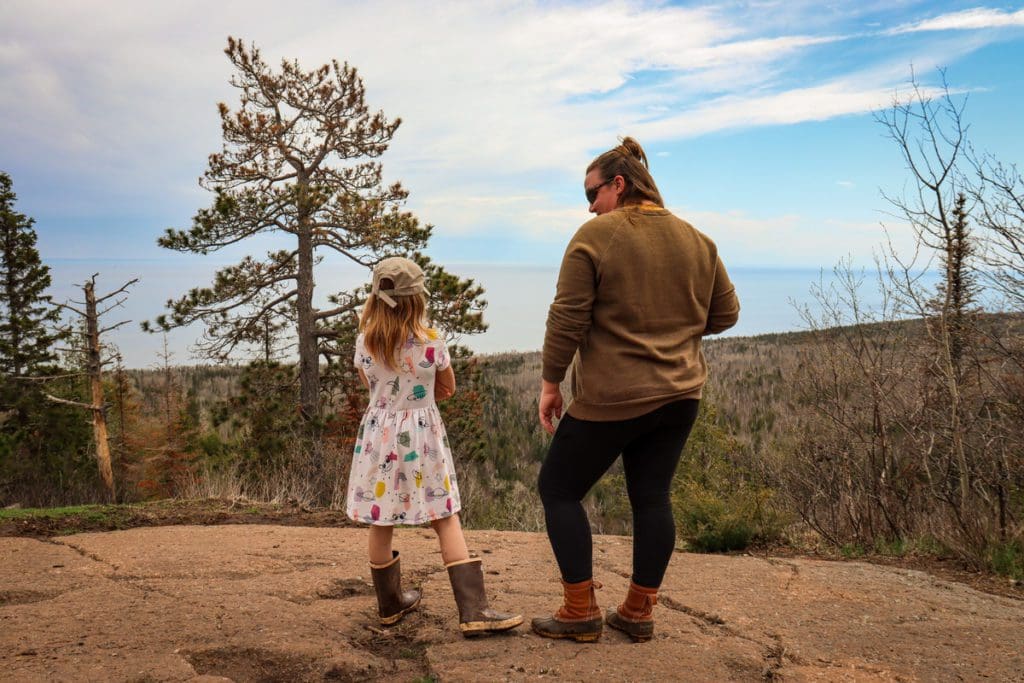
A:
x: 570, y: 314
x: 725, y: 307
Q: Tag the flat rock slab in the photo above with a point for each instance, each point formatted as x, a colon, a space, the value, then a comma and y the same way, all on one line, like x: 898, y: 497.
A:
x: 274, y: 603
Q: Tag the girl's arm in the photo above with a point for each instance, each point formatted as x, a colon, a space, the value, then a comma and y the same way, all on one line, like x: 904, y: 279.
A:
x: 444, y: 384
x: 362, y: 378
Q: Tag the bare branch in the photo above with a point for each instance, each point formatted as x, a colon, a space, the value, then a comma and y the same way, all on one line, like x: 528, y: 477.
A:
x: 117, y: 291
x: 77, y: 404
x: 47, y: 378
x: 114, y: 327
x: 72, y: 308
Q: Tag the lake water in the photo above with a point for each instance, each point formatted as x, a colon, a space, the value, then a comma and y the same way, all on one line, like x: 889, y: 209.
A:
x: 518, y: 298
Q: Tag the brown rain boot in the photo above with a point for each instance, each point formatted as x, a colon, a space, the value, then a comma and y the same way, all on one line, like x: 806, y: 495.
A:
x: 579, y: 618
x: 392, y: 602
x: 633, y: 617
x: 475, y: 617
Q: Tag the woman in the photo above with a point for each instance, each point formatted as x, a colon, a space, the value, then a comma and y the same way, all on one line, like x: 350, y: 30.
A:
x: 637, y: 290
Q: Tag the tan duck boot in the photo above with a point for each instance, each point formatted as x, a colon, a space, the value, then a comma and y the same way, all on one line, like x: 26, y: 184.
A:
x: 392, y: 602
x: 579, y: 618
x: 475, y: 617
x: 633, y: 617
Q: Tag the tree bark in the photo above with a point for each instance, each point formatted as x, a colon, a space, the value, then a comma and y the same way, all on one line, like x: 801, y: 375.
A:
x: 95, y: 369
x: 309, y: 369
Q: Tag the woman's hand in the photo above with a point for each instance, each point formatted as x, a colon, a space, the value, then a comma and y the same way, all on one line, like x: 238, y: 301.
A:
x: 550, y: 403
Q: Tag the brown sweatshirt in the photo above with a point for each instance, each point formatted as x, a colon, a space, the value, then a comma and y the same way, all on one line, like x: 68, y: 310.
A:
x: 637, y: 290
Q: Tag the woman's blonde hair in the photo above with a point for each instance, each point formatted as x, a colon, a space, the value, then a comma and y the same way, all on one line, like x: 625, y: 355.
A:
x: 386, y: 329
x: 629, y: 161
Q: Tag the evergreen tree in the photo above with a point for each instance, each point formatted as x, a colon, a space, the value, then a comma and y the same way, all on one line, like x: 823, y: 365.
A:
x: 299, y: 159
x: 957, y: 292
x: 44, y: 453
x: 262, y: 414
x: 27, y: 316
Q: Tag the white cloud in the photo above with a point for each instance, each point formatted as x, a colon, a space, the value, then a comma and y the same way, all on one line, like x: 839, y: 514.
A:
x: 969, y: 19
x: 478, y: 84
x: 793, y: 106
x: 493, y: 94
x: 536, y: 217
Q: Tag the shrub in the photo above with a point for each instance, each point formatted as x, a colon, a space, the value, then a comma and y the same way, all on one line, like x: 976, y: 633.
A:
x: 719, y: 505
x: 1007, y: 559
x: 711, y: 522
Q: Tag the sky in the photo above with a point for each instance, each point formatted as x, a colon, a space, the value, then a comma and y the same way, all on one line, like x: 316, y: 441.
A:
x: 758, y: 118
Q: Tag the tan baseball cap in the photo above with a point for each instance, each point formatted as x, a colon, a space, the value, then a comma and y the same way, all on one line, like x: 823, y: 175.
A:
x: 406, y: 276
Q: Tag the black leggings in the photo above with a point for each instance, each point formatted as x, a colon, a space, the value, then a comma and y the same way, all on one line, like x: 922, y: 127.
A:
x: 581, y: 452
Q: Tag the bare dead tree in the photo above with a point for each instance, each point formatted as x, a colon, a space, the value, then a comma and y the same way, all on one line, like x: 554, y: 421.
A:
x: 912, y: 412
x: 92, y: 353
x: 998, y: 194
x: 851, y: 477
x: 965, y: 215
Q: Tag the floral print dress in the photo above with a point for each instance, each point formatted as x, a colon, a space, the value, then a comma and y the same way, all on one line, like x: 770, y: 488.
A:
x: 402, y: 469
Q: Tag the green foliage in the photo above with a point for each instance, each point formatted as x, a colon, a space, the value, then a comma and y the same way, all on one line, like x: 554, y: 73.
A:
x: 852, y: 551
x: 463, y: 412
x: 900, y: 547
x: 45, y: 447
x: 719, y: 506
x: 711, y: 523
x: 25, y: 513
x: 499, y: 504
x: 72, y: 519
x: 212, y: 448
x: 44, y: 452
x: 891, y: 547
x: 27, y: 314
x: 263, y: 415
x: 456, y: 305
x: 1007, y: 558
x: 496, y: 443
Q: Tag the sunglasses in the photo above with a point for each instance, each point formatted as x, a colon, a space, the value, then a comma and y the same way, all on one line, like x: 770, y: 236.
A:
x: 592, y: 191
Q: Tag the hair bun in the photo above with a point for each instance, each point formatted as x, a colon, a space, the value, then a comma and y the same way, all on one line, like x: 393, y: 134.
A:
x: 628, y: 160
x: 632, y: 148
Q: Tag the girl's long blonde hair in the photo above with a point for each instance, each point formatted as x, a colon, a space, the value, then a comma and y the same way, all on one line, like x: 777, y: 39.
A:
x: 386, y: 329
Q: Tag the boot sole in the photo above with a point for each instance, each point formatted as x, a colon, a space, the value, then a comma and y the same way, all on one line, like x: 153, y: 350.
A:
x: 472, y: 628
x: 624, y: 628
x: 395, y: 618
x: 578, y: 637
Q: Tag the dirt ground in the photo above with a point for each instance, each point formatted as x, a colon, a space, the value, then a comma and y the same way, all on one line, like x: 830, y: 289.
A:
x: 272, y: 602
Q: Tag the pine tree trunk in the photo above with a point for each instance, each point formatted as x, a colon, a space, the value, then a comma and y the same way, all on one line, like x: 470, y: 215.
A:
x: 309, y: 370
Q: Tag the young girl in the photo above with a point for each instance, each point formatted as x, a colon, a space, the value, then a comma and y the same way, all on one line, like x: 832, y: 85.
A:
x: 402, y: 469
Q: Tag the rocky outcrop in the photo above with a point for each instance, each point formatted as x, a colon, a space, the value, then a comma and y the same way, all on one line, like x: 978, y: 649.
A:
x: 272, y: 603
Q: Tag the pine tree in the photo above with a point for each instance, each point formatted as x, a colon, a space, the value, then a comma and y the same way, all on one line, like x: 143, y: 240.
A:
x: 44, y: 455
x: 958, y: 290
x: 299, y: 159
x: 27, y: 316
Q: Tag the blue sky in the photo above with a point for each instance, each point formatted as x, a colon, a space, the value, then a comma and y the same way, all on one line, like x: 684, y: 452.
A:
x: 757, y: 117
